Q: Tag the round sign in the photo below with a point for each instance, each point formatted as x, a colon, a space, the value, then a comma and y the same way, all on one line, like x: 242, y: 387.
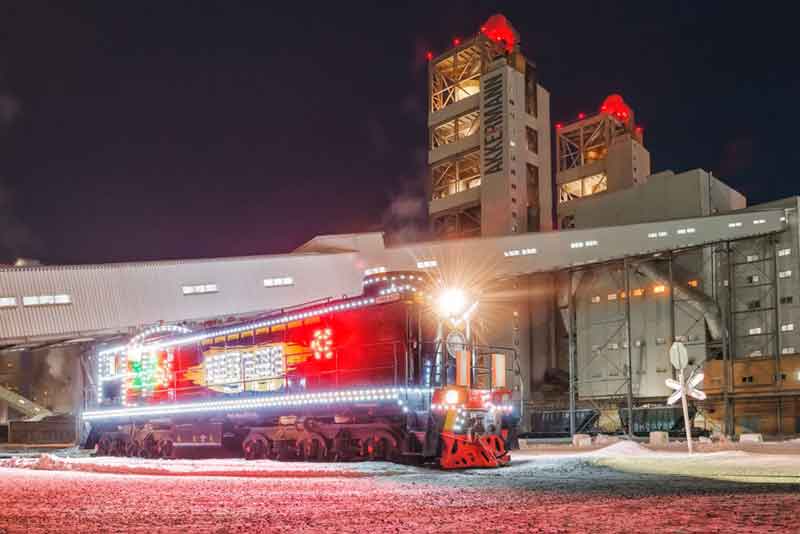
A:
x: 455, y: 342
x: 678, y: 355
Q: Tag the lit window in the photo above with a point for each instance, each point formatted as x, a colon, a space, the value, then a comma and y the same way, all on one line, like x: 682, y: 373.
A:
x: 612, y: 296
x: 754, y: 331
x: 784, y: 252
x: 759, y: 221
x: 528, y: 251
x: 637, y: 292
x: 788, y: 350
x: 583, y: 187
x: 427, y: 264
x: 8, y: 302
x: 785, y: 274
x: 200, y: 289
x: 694, y: 283
x: 46, y: 300
x: 576, y: 244
x: 375, y: 270
x: 512, y: 253
x: 653, y: 235
x: 787, y: 327
x: 734, y: 224
x: 455, y: 129
x: 596, y: 299
x: 659, y: 289
x: 591, y: 243
x: 280, y: 281
x: 450, y: 177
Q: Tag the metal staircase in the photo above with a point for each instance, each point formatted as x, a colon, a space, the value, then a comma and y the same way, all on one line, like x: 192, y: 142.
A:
x: 28, y: 408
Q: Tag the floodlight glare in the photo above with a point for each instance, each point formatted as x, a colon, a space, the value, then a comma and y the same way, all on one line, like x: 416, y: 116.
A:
x: 451, y: 303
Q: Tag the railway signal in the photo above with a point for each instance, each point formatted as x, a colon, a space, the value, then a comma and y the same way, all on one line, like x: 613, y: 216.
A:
x: 679, y: 357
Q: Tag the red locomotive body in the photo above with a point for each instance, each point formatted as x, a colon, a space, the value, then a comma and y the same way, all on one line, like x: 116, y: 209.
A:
x: 366, y: 377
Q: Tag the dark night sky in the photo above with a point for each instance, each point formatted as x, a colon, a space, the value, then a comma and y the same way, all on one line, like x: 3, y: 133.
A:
x: 143, y: 130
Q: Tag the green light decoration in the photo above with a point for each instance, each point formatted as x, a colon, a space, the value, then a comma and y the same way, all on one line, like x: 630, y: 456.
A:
x: 146, y: 373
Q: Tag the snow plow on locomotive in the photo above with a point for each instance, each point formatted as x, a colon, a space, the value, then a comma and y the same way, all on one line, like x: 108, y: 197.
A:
x: 394, y: 374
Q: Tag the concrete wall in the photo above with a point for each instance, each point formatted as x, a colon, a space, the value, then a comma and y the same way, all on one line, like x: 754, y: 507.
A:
x: 664, y: 196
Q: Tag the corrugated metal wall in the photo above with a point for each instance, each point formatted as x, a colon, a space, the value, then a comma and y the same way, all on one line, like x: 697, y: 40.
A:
x: 121, y: 296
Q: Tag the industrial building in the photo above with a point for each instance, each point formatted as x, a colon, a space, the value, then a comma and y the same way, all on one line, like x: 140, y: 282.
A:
x: 589, y: 271
x: 489, y: 131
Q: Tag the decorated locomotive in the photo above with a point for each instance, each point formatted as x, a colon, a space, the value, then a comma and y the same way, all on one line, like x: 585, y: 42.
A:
x: 394, y: 374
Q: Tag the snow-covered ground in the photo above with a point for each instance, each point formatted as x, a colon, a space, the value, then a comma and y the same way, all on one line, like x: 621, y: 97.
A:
x: 622, y: 487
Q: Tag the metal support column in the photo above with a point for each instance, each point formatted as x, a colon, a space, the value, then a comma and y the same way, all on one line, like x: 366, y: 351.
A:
x: 778, y: 330
x: 728, y: 367
x: 777, y: 291
x: 671, y: 287
x: 573, y: 378
x: 629, y: 344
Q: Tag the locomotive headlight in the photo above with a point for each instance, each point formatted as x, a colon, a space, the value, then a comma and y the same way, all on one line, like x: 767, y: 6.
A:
x: 451, y: 303
x: 455, y: 305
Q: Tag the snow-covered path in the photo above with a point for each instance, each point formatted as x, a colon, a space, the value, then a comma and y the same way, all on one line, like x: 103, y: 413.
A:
x: 615, y: 490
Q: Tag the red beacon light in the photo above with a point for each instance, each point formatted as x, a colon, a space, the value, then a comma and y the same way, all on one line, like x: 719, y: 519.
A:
x: 581, y: 116
x: 497, y: 28
x: 456, y: 41
x: 559, y: 126
x: 429, y: 55
x: 615, y: 106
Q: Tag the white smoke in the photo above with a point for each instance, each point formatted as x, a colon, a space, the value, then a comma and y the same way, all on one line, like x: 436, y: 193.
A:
x: 56, y: 365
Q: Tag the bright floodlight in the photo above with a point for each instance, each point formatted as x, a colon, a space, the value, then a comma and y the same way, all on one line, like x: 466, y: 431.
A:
x: 451, y: 303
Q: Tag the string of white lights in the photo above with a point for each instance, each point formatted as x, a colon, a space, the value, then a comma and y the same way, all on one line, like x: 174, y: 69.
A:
x: 185, y: 340
x: 295, y: 399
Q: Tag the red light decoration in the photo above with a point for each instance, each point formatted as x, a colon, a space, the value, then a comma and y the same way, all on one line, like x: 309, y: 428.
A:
x: 615, y: 106
x: 497, y: 28
x: 581, y: 116
x: 456, y: 41
x: 558, y: 125
x: 429, y: 55
x: 322, y: 344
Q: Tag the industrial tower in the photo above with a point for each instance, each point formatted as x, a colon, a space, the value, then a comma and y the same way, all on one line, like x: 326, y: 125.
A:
x: 598, y: 154
x: 489, y: 131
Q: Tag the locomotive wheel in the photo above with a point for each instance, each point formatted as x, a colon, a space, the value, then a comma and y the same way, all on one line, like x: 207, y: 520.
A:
x: 149, y: 448
x: 118, y: 447
x: 255, y: 448
x: 311, y: 450
x: 376, y: 448
x: 165, y: 448
x: 381, y: 449
x: 342, y: 446
x: 318, y: 451
x: 104, y: 446
x: 132, y: 448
